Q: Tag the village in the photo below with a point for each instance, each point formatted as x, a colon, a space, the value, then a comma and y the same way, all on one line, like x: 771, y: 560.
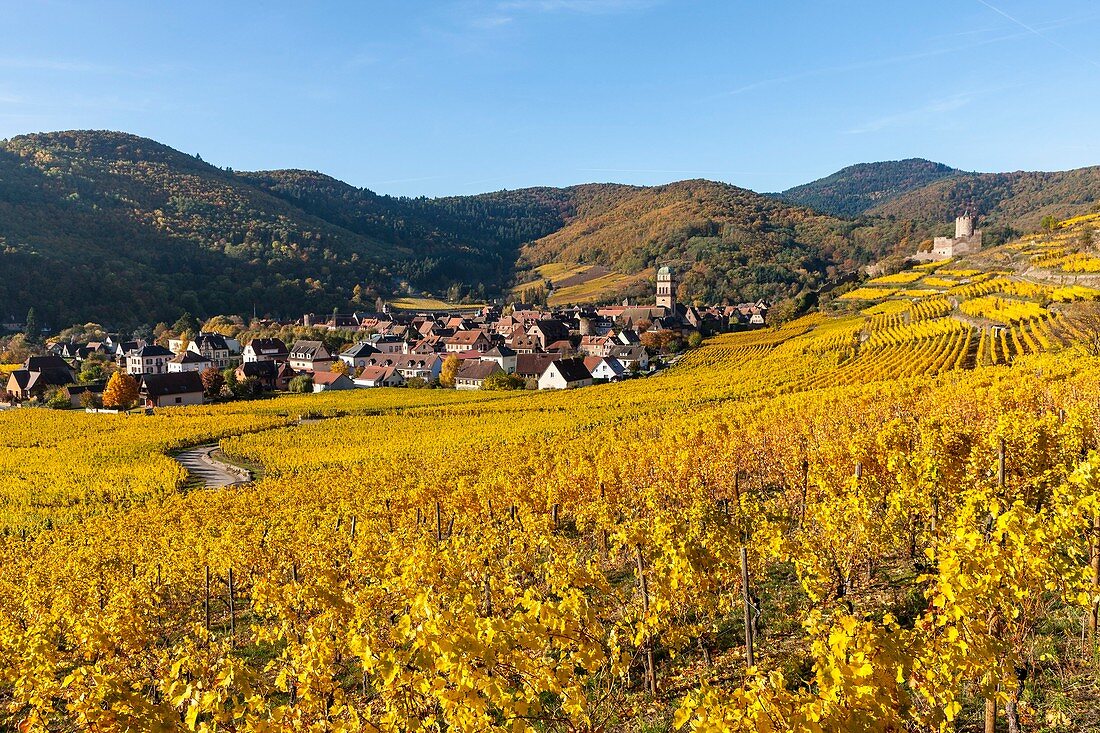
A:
x: 521, y: 346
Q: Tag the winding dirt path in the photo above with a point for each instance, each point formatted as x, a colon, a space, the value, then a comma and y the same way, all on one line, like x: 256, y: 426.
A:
x: 213, y: 473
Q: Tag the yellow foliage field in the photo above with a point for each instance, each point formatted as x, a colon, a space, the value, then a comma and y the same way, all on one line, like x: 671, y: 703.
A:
x: 425, y: 560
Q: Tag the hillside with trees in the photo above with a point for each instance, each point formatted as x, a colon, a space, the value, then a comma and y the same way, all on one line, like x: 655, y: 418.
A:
x: 1018, y: 200
x: 119, y: 229
x: 112, y: 227
x: 858, y: 188
x: 728, y: 242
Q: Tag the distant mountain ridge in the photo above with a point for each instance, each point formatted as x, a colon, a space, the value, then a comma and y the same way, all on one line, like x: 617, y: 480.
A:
x: 1017, y: 201
x: 859, y: 188
x: 108, y: 226
x: 930, y: 194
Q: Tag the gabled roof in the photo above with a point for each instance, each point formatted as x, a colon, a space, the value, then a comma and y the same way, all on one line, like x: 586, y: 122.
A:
x: 73, y: 390
x: 359, y: 350
x: 21, y: 379
x: 189, y: 357
x: 520, y: 340
x: 629, y: 352
x: 572, y: 370
x: 150, y: 351
x: 591, y: 363
x: 550, y: 328
x: 500, y: 352
x: 376, y: 373
x: 561, y: 346
x: 268, y: 346
x: 125, y: 347
x: 172, y: 383
x: 46, y: 363
x: 477, y: 370
x: 259, y: 369
x: 328, y: 377
x: 463, y: 338
x: 309, y: 348
x: 211, y: 341
x: 534, y: 363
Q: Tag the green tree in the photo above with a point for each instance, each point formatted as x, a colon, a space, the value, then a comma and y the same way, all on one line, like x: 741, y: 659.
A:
x: 246, y: 388
x: 93, y: 369
x: 1048, y: 223
x: 59, y: 400
x: 300, y: 384
x: 186, y: 323
x: 33, y: 328
x: 89, y: 400
x: 229, y: 379
x: 501, y: 381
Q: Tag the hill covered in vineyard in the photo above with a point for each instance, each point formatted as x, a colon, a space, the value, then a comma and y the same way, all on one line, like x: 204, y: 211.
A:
x: 879, y: 517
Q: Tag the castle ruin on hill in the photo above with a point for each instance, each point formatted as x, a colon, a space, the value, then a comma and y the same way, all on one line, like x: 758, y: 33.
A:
x: 966, y: 241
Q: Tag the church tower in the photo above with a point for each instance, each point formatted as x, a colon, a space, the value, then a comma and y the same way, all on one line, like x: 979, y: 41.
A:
x: 666, y: 289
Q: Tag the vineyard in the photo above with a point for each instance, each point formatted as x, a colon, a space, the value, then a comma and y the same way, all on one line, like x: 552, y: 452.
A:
x: 881, y: 519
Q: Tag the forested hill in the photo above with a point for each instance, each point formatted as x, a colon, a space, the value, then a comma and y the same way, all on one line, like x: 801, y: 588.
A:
x: 930, y: 193
x: 113, y: 227
x: 466, y: 239
x: 1016, y: 200
x: 120, y: 229
x: 858, y: 188
x: 728, y: 242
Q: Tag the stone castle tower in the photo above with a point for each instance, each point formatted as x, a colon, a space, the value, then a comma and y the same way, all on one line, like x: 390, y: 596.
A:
x: 666, y: 289
x: 964, y: 225
x: 967, y: 240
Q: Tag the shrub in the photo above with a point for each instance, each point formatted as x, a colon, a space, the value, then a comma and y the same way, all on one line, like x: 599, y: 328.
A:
x: 301, y: 384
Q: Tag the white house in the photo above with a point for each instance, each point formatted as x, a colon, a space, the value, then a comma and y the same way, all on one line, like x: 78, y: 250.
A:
x: 565, y: 374
x: 604, y: 367
x: 473, y: 340
x: 171, y: 390
x: 188, y: 361
x: 376, y: 376
x: 633, y: 358
x: 310, y: 356
x: 151, y: 359
x: 472, y: 374
x: 331, y: 381
x: 271, y: 349
x: 503, y: 357
x: 214, y: 347
x: 597, y: 345
x: 359, y: 355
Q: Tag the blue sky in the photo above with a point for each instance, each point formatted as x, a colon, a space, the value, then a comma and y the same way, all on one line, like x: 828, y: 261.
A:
x: 464, y: 96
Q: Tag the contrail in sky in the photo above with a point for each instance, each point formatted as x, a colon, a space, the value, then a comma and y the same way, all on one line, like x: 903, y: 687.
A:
x: 1037, y: 32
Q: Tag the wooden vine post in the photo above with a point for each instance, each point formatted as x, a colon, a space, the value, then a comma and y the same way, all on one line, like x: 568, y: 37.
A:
x: 805, y: 489
x: 1094, y: 615
x: 232, y: 612
x: 750, y: 655
x: 1001, y: 465
x: 994, y: 623
x: 643, y: 586
x: 438, y: 522
x: 206, y: 599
